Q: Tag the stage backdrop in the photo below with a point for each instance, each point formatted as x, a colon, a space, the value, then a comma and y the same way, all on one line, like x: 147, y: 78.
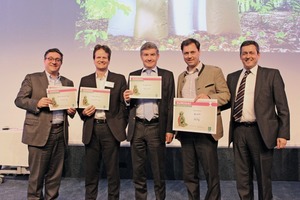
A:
x: 29, y: 28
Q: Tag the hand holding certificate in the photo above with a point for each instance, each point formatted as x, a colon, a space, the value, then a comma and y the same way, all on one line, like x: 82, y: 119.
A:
x: 145, y: 87
x: 199, y: 117
x: 93, y: 96
x: 62, y: 97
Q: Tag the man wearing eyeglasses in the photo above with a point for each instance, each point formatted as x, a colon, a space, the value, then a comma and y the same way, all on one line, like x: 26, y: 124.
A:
x: 45, y: 132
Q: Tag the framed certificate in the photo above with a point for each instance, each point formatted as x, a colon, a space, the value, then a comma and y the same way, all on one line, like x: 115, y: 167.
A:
x: 198, y: 117
x: 145, y: 87
x: 94, y: 96
x: 62, y: 97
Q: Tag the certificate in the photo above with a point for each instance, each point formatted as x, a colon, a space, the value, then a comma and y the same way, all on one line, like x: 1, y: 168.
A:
x: 62, y: 97
x: 199, y: 117
x: 145, y: 87
x: 94, y: 96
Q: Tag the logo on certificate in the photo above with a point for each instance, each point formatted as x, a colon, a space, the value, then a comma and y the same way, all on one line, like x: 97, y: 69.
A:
x: 181, y: 119
x: 54, y: 103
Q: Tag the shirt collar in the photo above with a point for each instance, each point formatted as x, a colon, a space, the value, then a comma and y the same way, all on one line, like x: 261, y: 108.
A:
x: 104, y: 77
x: 253, y: 70
x: 198, y: 68
x: 49, y: 77
x: 153, y: 69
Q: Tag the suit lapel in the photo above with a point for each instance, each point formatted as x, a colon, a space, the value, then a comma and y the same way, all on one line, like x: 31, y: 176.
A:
x: 259, y: 81
x: 44, y: 81
x: 137, y: 73
x: 92, y: 81
x: 110, y: 78
x: 160, y: 73
x: 234, y: 85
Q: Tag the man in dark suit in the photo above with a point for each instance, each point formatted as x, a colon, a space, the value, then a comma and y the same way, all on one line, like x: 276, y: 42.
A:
x: 103, y: 130
x: 200, y: 81
x: 148, y: 134
x: 264, y: 122
x: 45, y: 132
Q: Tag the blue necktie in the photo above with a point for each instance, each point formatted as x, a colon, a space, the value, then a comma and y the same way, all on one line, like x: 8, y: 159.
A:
x: 148, y: 103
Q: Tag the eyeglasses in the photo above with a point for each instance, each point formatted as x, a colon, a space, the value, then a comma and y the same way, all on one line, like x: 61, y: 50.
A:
x: 54, y: 59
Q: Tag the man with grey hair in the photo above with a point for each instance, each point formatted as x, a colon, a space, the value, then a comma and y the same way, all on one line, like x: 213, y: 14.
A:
x: 150, y: 129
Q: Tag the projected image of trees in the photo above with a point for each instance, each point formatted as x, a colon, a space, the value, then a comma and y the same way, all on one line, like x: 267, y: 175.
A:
x: 126, y: 24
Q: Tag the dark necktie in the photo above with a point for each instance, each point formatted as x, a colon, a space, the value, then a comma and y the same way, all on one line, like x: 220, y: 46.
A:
x: 239, y: 101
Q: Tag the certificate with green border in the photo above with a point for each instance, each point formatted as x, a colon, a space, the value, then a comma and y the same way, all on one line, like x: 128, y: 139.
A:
x: 198, y: 117
x: 94, y: 96
x: 62, y: 97
x: 145, y: 87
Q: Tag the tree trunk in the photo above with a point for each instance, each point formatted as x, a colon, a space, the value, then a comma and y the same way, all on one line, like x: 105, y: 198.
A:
x: 222, y: 17
x: 151, y: 21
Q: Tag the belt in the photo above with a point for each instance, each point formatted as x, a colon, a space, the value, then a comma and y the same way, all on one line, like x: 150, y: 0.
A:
x: 100, y: 121
x: 247, y: 124
x: 56, y: 125
x: 145, y: 121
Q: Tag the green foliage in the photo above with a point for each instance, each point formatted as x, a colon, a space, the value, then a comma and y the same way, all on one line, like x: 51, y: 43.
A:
x: 295, y: 4
x: 213, y: 48
x: 222, y: 39
x: 170, y: 41
x: 98, y: 10
x: 265, y: 6
x: 127, y: 40
x: 162, y: 48
x: 239, y: 40
x: 280, y: 36
x: 91, y: 35
x: 262, y: 34
x: 102, y: 9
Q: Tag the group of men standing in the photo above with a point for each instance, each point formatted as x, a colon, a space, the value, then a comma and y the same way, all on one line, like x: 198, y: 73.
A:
x: 262, y: 124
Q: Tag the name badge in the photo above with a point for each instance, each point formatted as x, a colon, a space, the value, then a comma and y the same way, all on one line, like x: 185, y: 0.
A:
x: 109, y: 84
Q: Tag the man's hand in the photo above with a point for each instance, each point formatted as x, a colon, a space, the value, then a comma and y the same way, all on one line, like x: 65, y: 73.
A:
x: 89, y: 111
x: 126, y: 95
x: 169, y: 137
x: 201, y: 96
x: 44, y: 102
x: 71, y: 111
x: 281, y: 143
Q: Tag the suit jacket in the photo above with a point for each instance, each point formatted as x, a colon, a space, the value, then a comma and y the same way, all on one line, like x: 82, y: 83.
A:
x: 270, y: 105
x: 116, y: 115
x: 211, y: 82
x: 165, y: 105
x: 37, y: 124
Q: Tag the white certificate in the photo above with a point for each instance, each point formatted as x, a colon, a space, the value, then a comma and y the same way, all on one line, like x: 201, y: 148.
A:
x: 145, y: 87
x: 199, y: 117
x: 62, y: 97
x: 94, y: 96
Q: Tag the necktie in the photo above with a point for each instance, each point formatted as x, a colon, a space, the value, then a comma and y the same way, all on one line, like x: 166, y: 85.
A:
x: 148, y: 103
x: 239, y: 101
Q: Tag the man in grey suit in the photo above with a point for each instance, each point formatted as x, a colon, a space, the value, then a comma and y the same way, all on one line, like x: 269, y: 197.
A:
x: 264, y: 122
x: 148, y: 134
x: 103, y: 130
x: 45, y: 132
x: 200, y: 81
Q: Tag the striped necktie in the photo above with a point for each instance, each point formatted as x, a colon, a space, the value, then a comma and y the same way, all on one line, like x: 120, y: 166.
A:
x: 239, y: 101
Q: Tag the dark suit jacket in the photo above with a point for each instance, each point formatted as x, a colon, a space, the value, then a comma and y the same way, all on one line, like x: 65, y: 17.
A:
x: 270, y: 105
x: 211, y: 82
x: 37, y: 124
x: 165, y: 105
x: 116, y: 115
